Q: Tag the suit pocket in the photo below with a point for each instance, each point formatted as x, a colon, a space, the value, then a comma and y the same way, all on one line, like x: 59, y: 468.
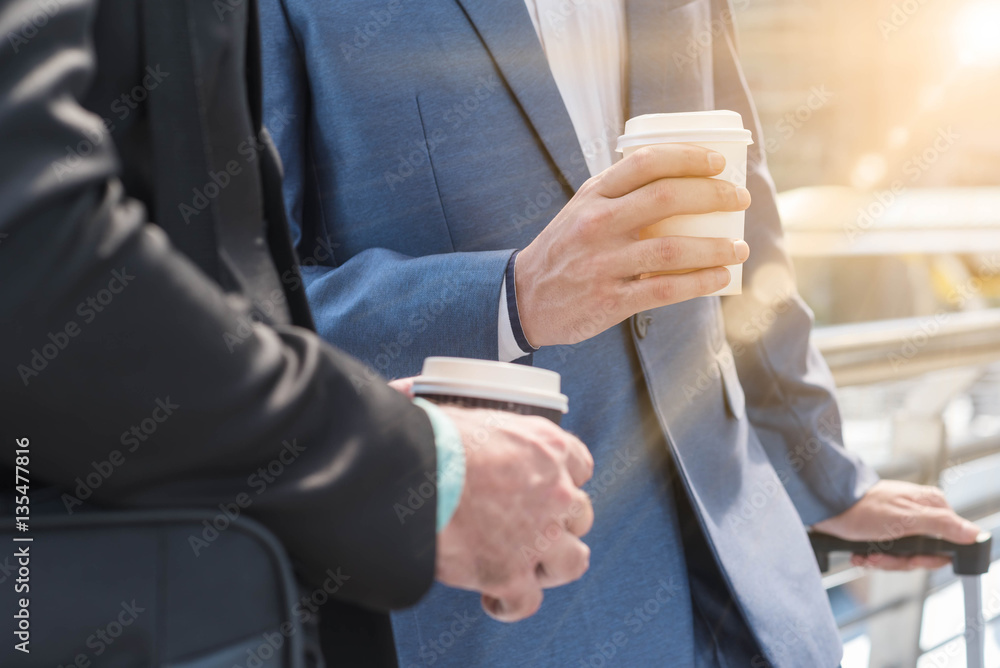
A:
x: 731, y: 387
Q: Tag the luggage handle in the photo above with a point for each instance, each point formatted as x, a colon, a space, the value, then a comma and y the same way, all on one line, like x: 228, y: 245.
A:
x: 972, y: 559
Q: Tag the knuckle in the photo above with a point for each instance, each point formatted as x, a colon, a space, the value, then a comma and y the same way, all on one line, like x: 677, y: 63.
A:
x: 665, y: 291
x: 586, y: 521
x: 668, y: 251
x: 726, y: 192
x: 665, y: 191
x: 581, y: 562
x: 562, y: 496
x: 595, y: 220
x: 643, y: 158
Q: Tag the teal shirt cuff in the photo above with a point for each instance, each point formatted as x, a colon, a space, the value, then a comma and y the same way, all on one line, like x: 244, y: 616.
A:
x: 450, y: 461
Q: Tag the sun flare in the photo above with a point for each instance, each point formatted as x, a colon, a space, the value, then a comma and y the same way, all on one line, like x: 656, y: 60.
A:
x: 977, y: 33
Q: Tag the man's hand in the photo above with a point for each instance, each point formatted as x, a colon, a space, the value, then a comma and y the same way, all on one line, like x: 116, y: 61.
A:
x: 580, y: 275
x: 403, y: 385
x: 516, y: 527
x: 893, y: 509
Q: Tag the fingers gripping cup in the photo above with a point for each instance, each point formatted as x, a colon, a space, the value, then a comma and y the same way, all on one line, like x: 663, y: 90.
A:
x: 471, y: 383
x: 720, y: 131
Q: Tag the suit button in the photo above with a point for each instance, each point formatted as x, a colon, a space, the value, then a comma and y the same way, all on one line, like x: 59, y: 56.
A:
x: 642, y: 323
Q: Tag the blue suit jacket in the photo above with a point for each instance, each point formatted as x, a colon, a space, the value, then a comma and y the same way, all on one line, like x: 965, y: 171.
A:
x: 424, y: 141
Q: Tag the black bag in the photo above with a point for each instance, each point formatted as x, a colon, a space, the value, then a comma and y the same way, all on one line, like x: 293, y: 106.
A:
x: 151, y: 588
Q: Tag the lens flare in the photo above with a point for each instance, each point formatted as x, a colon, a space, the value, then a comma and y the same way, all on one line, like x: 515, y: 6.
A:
x: 977, y: 34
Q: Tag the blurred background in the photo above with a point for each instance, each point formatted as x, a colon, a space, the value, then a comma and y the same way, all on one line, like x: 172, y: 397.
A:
x: 883, y: 137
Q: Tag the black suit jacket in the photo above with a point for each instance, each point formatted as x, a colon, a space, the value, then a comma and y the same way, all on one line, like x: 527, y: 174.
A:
x: 151, y: 312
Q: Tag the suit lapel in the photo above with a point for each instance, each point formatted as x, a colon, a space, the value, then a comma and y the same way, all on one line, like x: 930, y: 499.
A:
x: 506, y: 30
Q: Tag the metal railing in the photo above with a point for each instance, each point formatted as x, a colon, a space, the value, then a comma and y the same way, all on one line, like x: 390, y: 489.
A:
x: 944, y: 354
x: 886, y: 350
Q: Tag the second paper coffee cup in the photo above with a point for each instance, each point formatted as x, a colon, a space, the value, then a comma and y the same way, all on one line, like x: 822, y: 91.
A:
x: 720, y: 131
x: 472, y: 383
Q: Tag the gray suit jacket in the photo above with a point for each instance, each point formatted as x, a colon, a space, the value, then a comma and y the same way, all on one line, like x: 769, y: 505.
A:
x: 430, y: 140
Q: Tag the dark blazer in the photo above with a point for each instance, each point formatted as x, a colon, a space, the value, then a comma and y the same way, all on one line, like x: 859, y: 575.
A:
x: 155, y: 344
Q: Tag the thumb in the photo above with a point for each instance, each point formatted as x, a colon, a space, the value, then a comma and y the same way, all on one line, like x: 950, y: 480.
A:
x: 944, y: 522
x: 515, y: 606
x: 403, y: 385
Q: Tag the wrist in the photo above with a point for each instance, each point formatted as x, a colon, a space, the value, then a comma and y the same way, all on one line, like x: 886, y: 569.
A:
x: 450, y: 474
x: 513, y: 308
x: 520, y: 277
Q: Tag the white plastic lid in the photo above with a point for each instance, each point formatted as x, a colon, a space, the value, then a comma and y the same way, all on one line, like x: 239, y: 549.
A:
x: 497, y: 381
x: 689, y: 126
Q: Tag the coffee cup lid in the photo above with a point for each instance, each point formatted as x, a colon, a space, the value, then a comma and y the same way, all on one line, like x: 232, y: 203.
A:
x: 497, y: 381
x: 691, y: 126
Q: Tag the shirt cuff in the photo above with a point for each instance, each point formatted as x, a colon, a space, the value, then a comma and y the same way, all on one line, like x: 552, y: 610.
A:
x: 450, y: 461
x: 511, y: 342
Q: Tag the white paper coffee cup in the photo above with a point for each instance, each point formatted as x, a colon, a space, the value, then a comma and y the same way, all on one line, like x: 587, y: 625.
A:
x: 720, y: 131
x: 472, y: 383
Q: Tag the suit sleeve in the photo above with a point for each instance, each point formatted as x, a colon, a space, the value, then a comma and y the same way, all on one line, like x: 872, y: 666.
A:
x: 444, y: 304
x: 790, y: 392
x: 139, y: 383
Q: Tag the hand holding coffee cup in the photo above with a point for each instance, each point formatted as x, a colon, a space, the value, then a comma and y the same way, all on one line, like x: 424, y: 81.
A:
x: 720, y: 131
x: 581, y: 275
x: 522, y: 480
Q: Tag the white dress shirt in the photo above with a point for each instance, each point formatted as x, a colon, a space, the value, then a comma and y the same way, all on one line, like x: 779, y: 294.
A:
x: 584, y: 43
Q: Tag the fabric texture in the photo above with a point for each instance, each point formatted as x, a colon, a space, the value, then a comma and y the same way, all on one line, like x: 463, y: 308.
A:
x: 188, y: 370
x: 439, y: 142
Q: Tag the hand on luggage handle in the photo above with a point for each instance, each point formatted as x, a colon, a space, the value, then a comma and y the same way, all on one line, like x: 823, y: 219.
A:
x: 972, y: 559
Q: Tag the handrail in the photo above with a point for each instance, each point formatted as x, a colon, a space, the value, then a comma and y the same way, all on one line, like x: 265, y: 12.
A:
x: 890, y: 350
x: 886, y: 350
